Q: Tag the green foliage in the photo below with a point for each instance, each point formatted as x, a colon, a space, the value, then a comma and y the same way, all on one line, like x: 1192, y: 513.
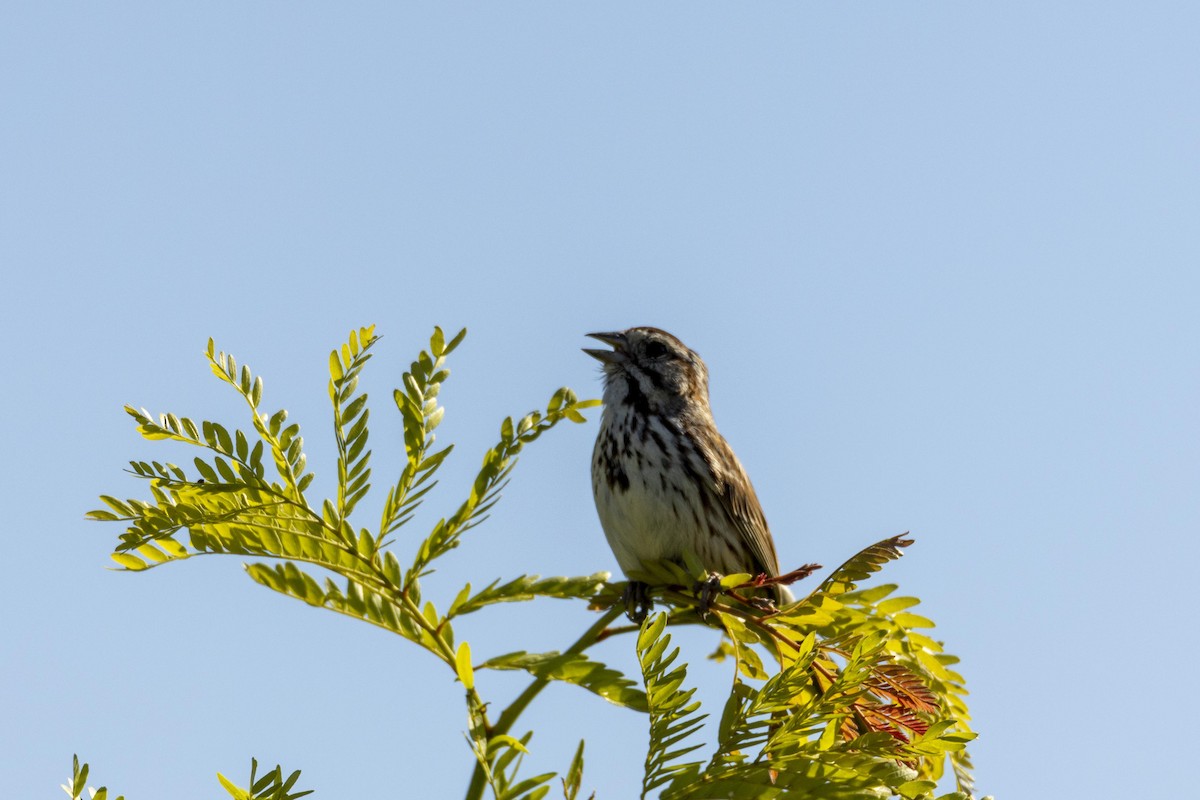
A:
x: 77, y: 786
x: 858, y: 705
x: 674, y: 716
x: 574, y: 779
x: 350, y: 415
x: 838, y: 695
x: 272, y: 786
x: 524, y: 588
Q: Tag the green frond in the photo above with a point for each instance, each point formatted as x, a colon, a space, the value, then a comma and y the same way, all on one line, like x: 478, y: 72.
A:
x: 674, y: 716
x: 77, y: 788
x: 350, y: 417
x: 231, y: 519
x: 525, y: 588
x: 829, y: 776
x: 914, y: 672
x: 857, y: 683
x: 751, y: 718
x: 353, y: 599
x: 498, y: 463
x: 500, y: 757
x: 863, y: 565
x: 285, y: 443
x: 420, y: 414
x: 578, y: 669
x: 272, y: 786
x: 574, y: 778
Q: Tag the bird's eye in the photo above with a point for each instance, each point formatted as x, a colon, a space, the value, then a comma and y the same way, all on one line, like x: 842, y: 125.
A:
x: 656, y: 350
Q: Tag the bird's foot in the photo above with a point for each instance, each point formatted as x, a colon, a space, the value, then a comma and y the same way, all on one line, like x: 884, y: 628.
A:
x: 707, y: 591
x: 637, y: 601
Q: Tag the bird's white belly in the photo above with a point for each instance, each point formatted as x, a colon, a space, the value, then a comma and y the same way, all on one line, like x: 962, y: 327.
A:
x: 645, y: 523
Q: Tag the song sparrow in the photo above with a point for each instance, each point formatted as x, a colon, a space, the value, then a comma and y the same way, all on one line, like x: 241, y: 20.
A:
x: 664, y: 479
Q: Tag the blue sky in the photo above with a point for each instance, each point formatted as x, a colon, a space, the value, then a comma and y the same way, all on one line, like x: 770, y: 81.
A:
x: 941, y: 259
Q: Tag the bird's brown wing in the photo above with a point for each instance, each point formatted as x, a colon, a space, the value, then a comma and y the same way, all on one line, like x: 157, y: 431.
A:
x: 738, y: 500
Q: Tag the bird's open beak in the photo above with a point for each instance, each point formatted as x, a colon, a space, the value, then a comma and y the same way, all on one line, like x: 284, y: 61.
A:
x: 614, y: 356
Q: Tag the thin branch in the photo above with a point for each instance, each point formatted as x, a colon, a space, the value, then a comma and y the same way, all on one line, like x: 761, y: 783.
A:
x: 509, y: 716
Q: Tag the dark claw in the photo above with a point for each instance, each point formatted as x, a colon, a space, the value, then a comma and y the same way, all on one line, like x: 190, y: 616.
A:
x: 706, y: 592
x: 637, y: 601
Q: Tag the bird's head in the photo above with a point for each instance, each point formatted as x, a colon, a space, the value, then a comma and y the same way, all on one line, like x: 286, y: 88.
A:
x: 651, y: 369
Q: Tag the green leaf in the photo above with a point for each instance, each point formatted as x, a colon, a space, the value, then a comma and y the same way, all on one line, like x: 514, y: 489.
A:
x: 913, y: 620
x: 233, y: 789
x: 913, y: 790
x: 129, y: 562
x: 574, y: 779
x: 736, y: 579
x: 462, y: 665
x: 455, y: 342
x: 896, y: 604
x: 575, y: 668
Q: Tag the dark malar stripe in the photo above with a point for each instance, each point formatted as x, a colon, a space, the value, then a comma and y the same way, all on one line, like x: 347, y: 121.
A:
x: 634, y: 396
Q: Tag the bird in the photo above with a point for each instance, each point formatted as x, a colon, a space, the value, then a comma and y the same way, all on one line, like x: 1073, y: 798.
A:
x: 664, y: 479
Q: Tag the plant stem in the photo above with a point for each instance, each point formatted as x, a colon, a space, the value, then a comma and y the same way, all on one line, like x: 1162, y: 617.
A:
x: 686, y: 616
x: 509, y: 716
